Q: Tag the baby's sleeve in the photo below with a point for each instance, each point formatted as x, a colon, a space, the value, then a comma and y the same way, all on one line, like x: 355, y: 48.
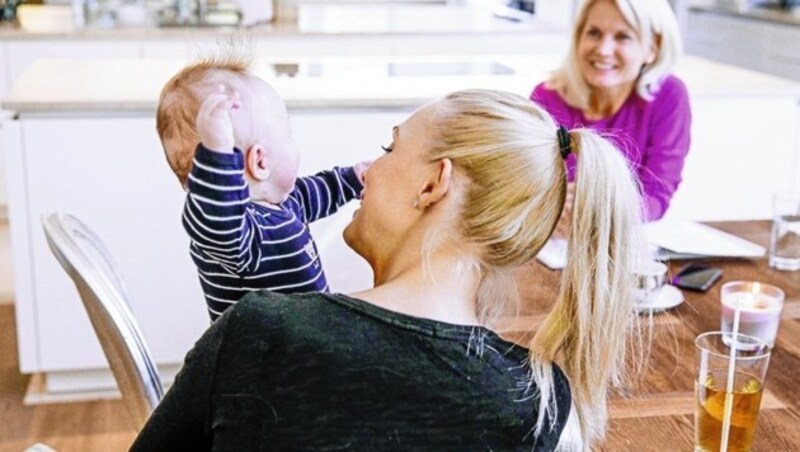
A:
x: 324, y: 193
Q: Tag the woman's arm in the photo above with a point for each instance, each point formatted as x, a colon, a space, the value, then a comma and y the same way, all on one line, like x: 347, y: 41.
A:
x: 667, y: 145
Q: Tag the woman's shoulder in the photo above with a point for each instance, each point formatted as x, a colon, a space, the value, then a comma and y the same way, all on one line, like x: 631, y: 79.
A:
x: 671, y: 100
x: 264, y: 307
x: 546, y: 94
x: 550, y: 99
x: 671, y: 87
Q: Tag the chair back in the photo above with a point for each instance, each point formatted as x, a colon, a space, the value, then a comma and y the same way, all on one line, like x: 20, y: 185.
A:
x: 103, y: 293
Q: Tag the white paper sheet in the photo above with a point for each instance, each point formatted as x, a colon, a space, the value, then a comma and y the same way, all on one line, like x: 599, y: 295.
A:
x: 695, y: 238
x: 671, y: 239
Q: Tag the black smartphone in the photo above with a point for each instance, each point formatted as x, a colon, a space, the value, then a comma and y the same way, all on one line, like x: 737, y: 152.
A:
x: 697, y: 277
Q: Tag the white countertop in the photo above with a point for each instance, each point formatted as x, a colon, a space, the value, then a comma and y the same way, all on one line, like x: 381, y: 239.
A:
x: 322, y: 20
x: 133, y: 85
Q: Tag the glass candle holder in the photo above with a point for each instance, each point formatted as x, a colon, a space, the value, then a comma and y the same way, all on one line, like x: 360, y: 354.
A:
x: 760, y: 308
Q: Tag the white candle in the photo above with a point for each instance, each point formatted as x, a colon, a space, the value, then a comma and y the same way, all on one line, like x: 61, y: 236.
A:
x: 760, y: 306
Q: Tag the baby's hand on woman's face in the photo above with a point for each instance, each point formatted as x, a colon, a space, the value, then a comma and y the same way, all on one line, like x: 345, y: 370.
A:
x: 361, y: 168
x: 214, y: 126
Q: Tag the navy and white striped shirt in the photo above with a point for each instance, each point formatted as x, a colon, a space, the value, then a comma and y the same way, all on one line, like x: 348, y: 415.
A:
x: 239, y: 246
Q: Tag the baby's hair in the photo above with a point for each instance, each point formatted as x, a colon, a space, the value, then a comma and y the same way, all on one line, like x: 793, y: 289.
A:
x: 178, y: 106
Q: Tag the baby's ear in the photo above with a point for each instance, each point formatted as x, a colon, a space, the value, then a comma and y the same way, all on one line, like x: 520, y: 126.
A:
x: 257, y: 163
x: 655, y: 48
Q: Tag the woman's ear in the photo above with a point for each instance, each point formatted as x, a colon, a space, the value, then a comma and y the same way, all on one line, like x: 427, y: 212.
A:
x: 257, y: 163
x: 438, y: 185
x: 655, y: 48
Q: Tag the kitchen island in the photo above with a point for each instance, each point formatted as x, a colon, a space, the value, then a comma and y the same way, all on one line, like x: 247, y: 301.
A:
x: 82, y: 140
x: 319, y: 30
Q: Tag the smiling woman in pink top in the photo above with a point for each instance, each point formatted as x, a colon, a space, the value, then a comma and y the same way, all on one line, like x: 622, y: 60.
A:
x: 617, y: 79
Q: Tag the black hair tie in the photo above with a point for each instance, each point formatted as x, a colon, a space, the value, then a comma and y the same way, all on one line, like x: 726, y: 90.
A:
x: 564, y: 145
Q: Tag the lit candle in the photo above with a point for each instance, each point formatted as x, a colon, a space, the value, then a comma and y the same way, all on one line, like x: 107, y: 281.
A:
x: 760, y: 309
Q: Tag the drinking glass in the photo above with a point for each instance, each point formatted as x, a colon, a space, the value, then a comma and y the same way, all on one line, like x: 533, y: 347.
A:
x: 750, y: 371
x: 784, y: 242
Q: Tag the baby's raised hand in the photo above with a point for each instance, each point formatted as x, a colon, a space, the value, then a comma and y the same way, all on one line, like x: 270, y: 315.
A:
x: 214, y: 126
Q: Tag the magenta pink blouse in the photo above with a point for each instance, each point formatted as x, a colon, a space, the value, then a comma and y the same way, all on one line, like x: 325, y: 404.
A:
x: 654, y: 136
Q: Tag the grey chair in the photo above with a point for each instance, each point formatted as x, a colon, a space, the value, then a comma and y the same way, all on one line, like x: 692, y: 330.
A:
x: 87, y: 262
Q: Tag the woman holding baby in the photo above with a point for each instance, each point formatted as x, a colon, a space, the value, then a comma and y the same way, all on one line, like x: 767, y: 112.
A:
x: 469, y: 190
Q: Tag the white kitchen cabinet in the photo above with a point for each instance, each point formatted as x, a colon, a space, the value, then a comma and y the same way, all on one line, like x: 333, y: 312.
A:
x: 109, y: 172
x: 5, y: 77
x: 3, y: 196
x: 5, y: 86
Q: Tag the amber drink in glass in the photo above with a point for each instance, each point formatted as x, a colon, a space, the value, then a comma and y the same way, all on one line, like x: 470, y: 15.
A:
x: 750, y: 369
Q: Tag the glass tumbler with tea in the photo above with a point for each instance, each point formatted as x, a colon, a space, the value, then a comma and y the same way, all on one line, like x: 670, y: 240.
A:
x: 711, y: 388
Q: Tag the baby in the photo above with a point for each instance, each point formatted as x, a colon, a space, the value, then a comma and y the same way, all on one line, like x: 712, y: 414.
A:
x: 226, y: 136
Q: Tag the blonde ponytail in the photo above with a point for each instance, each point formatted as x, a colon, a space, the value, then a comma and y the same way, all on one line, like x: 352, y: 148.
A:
x: 506, y: 152
x: 501, y: 143
x: 586, y: 331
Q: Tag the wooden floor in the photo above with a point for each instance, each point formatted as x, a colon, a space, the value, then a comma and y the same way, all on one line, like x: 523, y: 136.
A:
x: 89, y: 426
x: 6, y: 272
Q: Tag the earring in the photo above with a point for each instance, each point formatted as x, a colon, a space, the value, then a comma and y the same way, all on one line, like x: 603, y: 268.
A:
x: 416, y: 203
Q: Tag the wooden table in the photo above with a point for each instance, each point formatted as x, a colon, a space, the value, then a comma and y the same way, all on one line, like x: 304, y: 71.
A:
x: 657, y: 413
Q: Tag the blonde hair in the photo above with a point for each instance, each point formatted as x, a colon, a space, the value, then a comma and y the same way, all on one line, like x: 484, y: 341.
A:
x: 507, y: 149
x: 178, y: 106
x: 655, y: 24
